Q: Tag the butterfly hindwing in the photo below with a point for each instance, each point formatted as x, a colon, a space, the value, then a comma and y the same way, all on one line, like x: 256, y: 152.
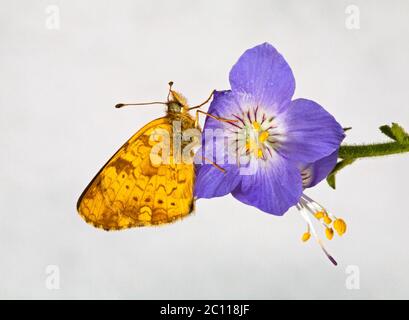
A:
x: 131, y: 191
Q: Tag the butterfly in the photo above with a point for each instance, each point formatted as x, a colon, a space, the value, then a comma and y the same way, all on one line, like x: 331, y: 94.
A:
x: 131, y: 190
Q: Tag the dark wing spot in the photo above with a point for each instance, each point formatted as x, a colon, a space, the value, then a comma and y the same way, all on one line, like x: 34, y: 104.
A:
x: 122, y: 165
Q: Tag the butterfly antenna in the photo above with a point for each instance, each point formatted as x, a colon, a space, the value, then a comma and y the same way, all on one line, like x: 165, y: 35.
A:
x: 170, y: 89
x: 121, y: 105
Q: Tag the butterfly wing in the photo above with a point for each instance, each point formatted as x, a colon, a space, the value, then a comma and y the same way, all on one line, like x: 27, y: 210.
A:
x: 132, y: 191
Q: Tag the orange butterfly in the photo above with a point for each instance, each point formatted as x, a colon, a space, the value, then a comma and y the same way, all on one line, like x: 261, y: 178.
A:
x: 131, y: 190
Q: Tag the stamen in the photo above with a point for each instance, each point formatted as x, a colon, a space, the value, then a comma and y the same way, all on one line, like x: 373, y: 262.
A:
x: 248, y: 145
x: 340, y: 226
x: 306, y: 236
x: 334, y: 262
x: 256, y: 125
x: 329, y: 232
x: 256, y: 138
x: 302, y: 206
x: 263, y: 136
x: 319, y: 215
x: 327, y: 220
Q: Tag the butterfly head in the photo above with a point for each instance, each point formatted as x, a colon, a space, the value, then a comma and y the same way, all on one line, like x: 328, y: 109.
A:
x: 177, y: 103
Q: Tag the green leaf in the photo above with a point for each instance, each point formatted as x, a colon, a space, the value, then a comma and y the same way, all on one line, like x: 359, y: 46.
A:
x: 387, y: 130
x: 395, y: 132
x: 339, y: 166
x: 399, y: 133
x: 331, y: 181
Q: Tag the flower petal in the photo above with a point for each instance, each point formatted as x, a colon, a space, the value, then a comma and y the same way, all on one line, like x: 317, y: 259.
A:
x: 311, y: 133
x: 211, y: 182
x: 315, y: 172
x: 224, y: 104
x: 227, y: 104
x: 274, y: 188
x: 263, y: 73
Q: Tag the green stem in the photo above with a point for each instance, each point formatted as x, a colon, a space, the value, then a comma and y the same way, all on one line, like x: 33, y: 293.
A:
x: 372, y: 150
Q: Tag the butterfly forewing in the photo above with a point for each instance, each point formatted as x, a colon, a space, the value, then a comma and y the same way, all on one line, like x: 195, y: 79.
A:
x: 131, y: 190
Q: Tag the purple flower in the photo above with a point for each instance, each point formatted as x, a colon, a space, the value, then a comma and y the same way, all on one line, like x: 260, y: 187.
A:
x: 285, y: 145
x: 315, y: 172
x: 280, y: 136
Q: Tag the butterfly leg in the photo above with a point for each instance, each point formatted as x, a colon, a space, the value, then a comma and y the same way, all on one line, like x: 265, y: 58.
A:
x: 212, y: 116
x: 214, y: 164
x: 218, y: 119
x: 203, y: 103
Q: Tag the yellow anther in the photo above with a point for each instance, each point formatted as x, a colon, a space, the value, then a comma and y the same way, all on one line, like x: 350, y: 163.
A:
x: 263, y: 136
x: 319, y: 214
x: 329, y: 233
x: 327, y: 220
x: 260, y: 153
x: 340, y: 226
x: 306, y: 236
x: 256, y: 125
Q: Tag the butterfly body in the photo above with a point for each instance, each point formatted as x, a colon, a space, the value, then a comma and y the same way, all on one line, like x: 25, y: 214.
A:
x: 131, y: 190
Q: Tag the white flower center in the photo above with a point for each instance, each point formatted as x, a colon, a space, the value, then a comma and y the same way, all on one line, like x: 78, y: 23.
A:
x: 258, y: 134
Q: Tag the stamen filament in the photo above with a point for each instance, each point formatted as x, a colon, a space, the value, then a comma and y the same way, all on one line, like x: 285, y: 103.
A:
x: 304, y: 210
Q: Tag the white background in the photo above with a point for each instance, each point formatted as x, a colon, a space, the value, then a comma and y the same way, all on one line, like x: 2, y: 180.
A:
x: 58, y: 127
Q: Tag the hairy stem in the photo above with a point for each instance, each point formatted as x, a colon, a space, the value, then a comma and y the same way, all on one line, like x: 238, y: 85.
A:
x: 372, y: 150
